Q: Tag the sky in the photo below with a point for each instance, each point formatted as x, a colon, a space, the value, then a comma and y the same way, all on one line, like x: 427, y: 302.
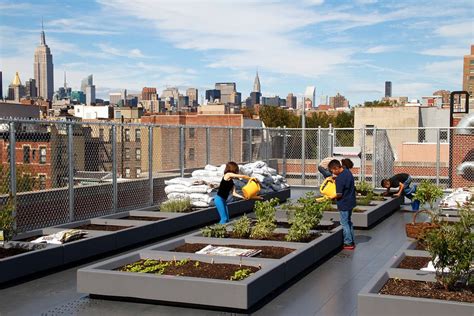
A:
x: 350, y: 47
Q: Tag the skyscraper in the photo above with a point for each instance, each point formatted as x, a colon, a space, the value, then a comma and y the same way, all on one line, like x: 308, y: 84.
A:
x: 1, y: 86
x: 15, y: 90
x: 148, y: 93
x: 192, y: 93
x: 227, y: 91
x: 291, y: 101
x: 310, y: 97
x: 468, y: 73
x: 338, y: 101
x: 388, y: 89
x: 88, y: 88
x: 256, y: 84
x: 30, y: 88
x: 43, y: 69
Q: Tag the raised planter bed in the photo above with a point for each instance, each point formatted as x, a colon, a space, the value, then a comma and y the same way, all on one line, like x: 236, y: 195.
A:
x: 103, y: 279
x: 367, y: 216
x: 373, y: 301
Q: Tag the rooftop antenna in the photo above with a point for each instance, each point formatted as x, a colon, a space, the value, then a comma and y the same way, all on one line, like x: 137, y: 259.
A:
x: 65, y: 85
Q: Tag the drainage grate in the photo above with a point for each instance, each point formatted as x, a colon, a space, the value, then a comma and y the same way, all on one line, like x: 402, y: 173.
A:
x: 70, y: 308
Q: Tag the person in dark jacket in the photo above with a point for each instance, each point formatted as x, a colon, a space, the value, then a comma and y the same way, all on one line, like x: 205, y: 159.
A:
x: 402, y: 182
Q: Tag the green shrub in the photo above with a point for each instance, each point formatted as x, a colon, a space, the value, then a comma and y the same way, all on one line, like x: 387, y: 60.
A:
x: 216, y: 231
x: 307, y: 213
x: 176, y: 205
x: 364, y: 187
x: 366, y: 200
x: 240, y: 274
x: 266, y: 222
x: 241, y: 227
x: 428, y: 192
x: 7, y: 220
x: 451, y: 246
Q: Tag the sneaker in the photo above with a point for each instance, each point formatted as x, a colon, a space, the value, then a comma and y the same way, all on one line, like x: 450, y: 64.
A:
x: 349, y: 247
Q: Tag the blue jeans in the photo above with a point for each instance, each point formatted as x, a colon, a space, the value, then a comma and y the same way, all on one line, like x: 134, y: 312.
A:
x: 407, y: 190
x: 325, y: 172
x: 347, y: 227
x: 221, y: 206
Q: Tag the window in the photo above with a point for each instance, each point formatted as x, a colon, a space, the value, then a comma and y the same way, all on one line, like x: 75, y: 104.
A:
x: 191, y: 132
x: 191, y: 154
x: 42, y: 155
x: 127, y: 172
x: 42, y: 181
x: 33, y: 155
x: 127, y: 135
x: 101, y: 134
x: 26, y: 154
x: 127, y: 153
x: 139, y: 171
x: 138, y: 135
x: 138, y: 154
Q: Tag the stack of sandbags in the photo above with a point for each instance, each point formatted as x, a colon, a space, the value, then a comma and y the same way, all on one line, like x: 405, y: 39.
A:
x: 459, y: 196
x: 269, y: 179
x: 194, y: 189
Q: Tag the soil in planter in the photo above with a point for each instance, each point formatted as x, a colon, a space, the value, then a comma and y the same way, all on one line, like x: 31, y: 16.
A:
x: 414, y: 263
x: 420, y: 246
x: 110, y: 228
x: 267, y: 251
x: 13, y: 251
x: 280, y: 237
x: 424, y: 289
x: 189, y: 268
x: 143, y: 218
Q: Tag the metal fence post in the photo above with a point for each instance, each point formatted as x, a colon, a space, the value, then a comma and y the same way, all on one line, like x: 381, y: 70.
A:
x: 438, y: 154
x: 114, y: 169
x: 13, y: 171
x: 362, y: 154
x: 181, y: 151
x: 285, y: 141
x: 303, y: 156
x: 70, y: 154
x: 330, y: 144
x: 208, y: 146
x: 250, y: 145
x: 374, y: 157
x: 230, y: 143
x: 319, y: 153
x: 150, y: 162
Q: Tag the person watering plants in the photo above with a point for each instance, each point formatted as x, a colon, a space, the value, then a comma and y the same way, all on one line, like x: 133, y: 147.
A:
x: 402, y: 182
x: 323, y: 165
x: 231, y: 172
x: 345, y: 199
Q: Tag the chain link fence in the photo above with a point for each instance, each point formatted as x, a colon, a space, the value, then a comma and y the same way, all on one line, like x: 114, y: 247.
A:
x: 65, y: 171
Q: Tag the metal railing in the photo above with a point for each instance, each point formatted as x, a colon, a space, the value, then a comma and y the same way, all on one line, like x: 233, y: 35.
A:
x: 61, y: 171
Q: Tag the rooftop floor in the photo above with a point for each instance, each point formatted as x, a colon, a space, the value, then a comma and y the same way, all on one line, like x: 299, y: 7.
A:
x: 328, y: 289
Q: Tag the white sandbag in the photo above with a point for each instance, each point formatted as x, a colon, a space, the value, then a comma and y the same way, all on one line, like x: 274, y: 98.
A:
x: 178, y: 188
x: 199, y: 204
x: 246, y: 170
x: 177, y: 196
x: 210, y: 168
x: 199, y: 197
x: 204, y: 173
x: 259, y: 177
x: 184, y: 181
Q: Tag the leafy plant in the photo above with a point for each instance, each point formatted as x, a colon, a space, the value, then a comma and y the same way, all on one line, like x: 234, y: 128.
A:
x: 176, y: 205
x: 266, y: 222
x: 216, y: 230
x: 428, y: 192
x: 363, y: 187
x: 7, y: 220
x: 451, y: 246
x: 366, y: 200
x: 242, y: 227
x: 240, y: 274
x: 307, y: 213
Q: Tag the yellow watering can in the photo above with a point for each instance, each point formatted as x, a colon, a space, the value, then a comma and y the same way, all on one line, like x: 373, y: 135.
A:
x: 328, y: 188
x: 251, y: 189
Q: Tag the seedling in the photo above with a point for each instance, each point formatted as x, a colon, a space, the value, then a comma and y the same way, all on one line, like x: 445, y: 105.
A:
x: 240, y: 274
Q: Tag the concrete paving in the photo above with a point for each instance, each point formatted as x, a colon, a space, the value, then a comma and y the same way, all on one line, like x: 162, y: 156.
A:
x: 328, y: 289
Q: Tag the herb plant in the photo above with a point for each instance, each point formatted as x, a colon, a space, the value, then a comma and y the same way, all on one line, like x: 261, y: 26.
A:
x: 428, y: 192
x: 242, y: 227
x: 266, y: 222
x: 307, y: 213
x: 363, y: 187
x: 176, y: 205
x: 240, y: 274
x: 216, y: 230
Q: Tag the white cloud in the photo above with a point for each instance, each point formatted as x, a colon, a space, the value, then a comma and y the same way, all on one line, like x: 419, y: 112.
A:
x: 449, y: 72
x: 446, y: 51
x: 314, y: 2
x: 366, y: 1
x: 83, y: 25
x: 413, y: 89
x: 380, y: 49
x: 132, y: 53
x: 461, y: 29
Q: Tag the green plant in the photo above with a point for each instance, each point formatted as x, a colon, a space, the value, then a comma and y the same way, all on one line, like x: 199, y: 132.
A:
x: 363, y: 187
x: 428, y: 192
x: 451, y: 247
x: 307, y: 213
x: 266, y: 222
x: 366, y: 200
x: 176, y: 205
x: 7, y: 220
x: 240, y: 274
x: 242, y: 227
x: 216, y: 230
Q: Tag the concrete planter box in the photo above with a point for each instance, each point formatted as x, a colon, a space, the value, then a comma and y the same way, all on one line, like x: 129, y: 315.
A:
x: 372, y: 215
x: 100, y: 280
x: 370, y: 302
x: 42, y: 258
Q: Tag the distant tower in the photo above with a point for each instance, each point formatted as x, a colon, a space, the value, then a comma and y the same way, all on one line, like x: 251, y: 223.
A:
x: 43, y: 68
x: 1, y: 86
x: 15, y: 90
x: 256, y: 84
x: 388, y: 89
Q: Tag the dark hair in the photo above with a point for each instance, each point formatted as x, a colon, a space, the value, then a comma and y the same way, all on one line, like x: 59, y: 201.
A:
x: 346, y: 162
x: 231, y: 167
x: 334, y: 164
x: 384, y: 181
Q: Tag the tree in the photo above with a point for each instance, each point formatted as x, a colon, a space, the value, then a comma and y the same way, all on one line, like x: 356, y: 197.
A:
x: 24, y: 181
x: 376, y: 103
x: 274, y: 116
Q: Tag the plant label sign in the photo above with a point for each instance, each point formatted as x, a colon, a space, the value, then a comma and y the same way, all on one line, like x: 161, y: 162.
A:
x: 227, y: 251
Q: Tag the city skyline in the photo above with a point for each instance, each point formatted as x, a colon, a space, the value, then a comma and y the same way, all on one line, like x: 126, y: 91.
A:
x: 348, y: 48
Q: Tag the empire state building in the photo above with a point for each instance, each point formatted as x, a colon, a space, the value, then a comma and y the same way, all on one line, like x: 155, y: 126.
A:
x: 43, y: 69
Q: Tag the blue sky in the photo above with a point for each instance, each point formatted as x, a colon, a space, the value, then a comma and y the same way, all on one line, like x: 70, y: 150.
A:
x: 350, y: 47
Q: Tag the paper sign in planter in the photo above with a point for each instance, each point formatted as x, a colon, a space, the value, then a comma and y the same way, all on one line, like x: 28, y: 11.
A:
x: 372, y: 214
x: 371, y: 303
x: 101, y: 279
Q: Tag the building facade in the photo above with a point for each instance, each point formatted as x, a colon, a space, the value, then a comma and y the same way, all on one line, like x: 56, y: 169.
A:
x: 338, y: 101
x: 256, y: 84
x: 388, y: 89
x: 291, y: 101
x: 468, y: 73
x: 43, y: 69
x: 228, y: 90
x: 192, y: 94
